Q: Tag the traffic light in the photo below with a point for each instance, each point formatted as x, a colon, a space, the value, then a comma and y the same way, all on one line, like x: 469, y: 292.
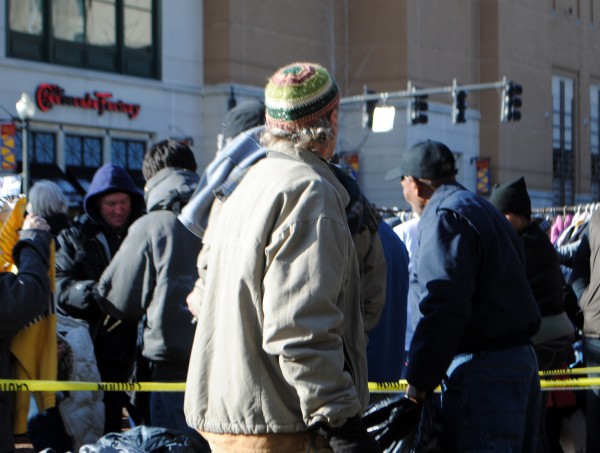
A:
x: 368, y: 108
x: 511, y: 102
x: 459, y: 106
x: 417, y: 108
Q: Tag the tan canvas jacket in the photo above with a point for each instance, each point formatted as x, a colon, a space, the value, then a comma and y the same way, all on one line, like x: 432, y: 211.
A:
x: 280, y: 339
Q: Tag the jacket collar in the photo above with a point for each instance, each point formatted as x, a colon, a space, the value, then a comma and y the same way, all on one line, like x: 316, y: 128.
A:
x: 313, y: 160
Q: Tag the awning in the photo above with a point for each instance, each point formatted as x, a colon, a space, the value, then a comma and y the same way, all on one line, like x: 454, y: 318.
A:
x: 82, y: 177
x: 53, y: 173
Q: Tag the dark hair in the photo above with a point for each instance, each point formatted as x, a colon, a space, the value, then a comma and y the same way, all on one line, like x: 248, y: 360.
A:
x: 168, y: 153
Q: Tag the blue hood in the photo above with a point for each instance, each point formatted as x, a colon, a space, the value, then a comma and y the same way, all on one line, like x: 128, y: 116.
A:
x: 109, y: 179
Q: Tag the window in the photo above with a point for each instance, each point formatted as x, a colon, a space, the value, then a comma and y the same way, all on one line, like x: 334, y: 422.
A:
x: 595, y: 139
x: 41, y: 147
x: 42, y: 165
x: 107, y: 35
x: 83, y: 151
x: 83, y: 156
x: 562, y: 140
x: 129, y: 154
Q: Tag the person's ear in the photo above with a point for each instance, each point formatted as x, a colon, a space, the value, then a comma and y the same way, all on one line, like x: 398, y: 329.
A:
x: 333, y: 115
x: 333, y: 119
x: 423, y: 190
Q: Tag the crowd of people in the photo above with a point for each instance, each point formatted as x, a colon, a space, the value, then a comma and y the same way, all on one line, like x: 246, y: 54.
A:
x: 274, y: 288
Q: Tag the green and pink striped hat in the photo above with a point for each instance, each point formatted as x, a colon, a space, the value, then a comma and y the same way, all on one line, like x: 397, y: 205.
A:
x: 299, y: 94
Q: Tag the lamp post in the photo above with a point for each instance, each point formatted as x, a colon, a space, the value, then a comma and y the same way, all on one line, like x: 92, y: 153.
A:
x: 25, y: 111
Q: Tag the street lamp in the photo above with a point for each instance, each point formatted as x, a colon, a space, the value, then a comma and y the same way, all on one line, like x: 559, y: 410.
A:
x: 25, y: 111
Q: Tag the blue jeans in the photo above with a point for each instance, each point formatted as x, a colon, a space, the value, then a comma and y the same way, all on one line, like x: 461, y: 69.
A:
x: 591, y: 356
x: 491, y: 402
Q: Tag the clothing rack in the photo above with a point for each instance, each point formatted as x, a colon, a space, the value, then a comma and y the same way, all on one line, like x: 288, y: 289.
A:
x: 564, y: 210
x: 400, y: 214
x: 386, y: 210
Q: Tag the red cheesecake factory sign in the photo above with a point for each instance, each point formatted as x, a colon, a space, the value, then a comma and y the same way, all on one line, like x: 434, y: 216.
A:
x: 48, y: 95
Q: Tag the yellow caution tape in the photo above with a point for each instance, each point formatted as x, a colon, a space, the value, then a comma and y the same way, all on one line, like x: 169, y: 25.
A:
x: 549, y: 381
x: 390, y: 387
x: 14, y: 385
x: 569, y: 371
x: 570, y: 384
x: 546, y: 381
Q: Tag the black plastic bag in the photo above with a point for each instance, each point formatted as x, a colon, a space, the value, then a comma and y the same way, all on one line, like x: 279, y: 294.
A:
x: 144, y: 439
x: 426, y: 437
x: 391, y: 420
x: 400, y: 425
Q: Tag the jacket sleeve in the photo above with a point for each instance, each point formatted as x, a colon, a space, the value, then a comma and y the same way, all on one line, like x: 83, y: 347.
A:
x: 580, y: 277
x: 372, y: 267
x: 306, y: 271
x: 195, y: 298
x: 26, y: 294
x: 73, y: 286
x: 125, y: 288
x: 566, y: 252
x: 447, y: 262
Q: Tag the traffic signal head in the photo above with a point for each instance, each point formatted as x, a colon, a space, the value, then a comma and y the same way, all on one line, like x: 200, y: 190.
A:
x: 511, y: 102
x: 368, y: 108
x: 417, y: 110
x: 459, y: 106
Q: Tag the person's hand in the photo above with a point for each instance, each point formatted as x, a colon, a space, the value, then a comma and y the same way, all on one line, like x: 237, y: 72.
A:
x: 190, y: 303
x: 34, y: 222
x: 351, y: 437
x: 418, y: 396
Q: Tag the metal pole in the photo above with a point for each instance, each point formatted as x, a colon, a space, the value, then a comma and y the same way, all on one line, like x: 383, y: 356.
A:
x: 412, y: 92
x: 25, y: 160
x: 26, y: 111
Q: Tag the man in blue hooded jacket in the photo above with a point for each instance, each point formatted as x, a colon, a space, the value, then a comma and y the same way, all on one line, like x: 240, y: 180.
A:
x: 112, y: 203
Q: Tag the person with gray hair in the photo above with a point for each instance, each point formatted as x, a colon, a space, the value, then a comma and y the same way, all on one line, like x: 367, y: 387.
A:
x: 47, y: 201
x: 279, y: 356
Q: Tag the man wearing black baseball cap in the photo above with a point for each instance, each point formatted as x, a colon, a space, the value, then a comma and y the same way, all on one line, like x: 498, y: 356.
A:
x: 427, y: 160
x: 478, y: 312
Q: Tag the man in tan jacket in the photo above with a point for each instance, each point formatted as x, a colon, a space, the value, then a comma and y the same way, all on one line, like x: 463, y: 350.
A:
x: 278, y: 362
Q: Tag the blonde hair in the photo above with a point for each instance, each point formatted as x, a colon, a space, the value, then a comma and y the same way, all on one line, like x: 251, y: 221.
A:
x: 46, y: 198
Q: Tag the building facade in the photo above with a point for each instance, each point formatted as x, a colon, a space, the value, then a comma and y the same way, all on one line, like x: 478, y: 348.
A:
x: 184, y: 62
x: 550, y: 47
x: 108, y: 78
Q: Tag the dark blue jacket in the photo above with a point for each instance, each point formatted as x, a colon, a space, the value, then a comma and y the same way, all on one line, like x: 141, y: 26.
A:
x: 471, y: 283
x: 385, y: 350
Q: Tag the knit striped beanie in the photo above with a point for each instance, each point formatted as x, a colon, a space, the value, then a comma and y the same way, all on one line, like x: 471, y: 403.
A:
x: 299, y: 94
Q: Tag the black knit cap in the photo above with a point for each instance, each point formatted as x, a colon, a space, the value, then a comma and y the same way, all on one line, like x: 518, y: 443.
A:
x: 244, y: 116
x: 512, y: 197
x: 427, y: 160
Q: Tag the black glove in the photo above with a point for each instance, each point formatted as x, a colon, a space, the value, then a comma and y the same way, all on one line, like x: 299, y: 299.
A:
x: 351, y: 437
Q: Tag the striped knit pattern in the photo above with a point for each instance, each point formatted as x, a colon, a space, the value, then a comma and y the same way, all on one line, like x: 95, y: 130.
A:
x: 299, y: 94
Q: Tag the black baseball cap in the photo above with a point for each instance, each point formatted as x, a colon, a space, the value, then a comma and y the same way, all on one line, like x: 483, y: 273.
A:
x: 242, y: 117
x: 427, y: 160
